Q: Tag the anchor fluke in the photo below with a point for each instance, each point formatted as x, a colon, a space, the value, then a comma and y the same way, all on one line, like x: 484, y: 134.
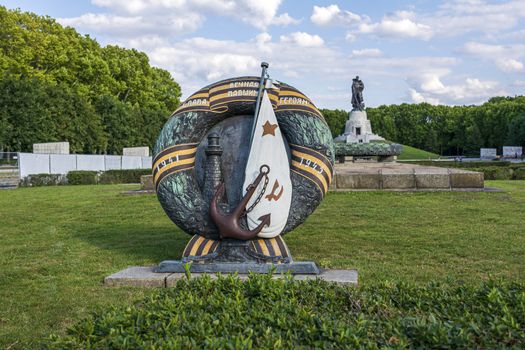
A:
x: 228, y: 224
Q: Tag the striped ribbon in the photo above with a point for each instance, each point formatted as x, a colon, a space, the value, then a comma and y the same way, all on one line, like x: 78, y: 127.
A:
x: 312, y: 165
x: 173, y: 159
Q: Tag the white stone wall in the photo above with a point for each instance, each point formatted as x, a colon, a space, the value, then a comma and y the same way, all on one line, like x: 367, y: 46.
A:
x: 31, y: 164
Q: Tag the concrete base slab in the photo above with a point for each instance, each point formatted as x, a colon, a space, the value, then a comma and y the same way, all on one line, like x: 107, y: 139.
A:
x: 402, y: 177
x: 137, y: 276
x: 144, y: 276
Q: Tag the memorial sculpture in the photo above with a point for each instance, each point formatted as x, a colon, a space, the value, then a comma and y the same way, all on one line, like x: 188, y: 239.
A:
x: 358, y: 128
x: 239, y: 164
x: 358, y: 140
x: 358, y: 103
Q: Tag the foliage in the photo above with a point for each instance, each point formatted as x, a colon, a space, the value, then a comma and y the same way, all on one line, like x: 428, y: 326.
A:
x: 415, y: 153
x: 500, y: 170
x: 453, y: 130
x: 266, y: 313
x: 56, y: 85
x: 58, y: 243
x: 336, y: 120
x: 446, y: 130
x: 465, y: 165
x: 82, y: 177
x: 127, y: 176
x: 43, y: 180
x: 367, y: 149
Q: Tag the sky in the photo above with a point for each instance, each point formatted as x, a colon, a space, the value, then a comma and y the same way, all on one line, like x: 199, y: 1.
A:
x: 452, y: 52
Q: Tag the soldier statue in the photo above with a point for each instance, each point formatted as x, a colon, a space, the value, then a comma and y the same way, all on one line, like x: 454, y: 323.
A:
x: 357, y: 94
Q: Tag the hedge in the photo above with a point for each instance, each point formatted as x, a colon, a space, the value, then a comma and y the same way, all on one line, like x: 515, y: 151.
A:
x: 285, y: 314
x: 469, y: 164
x: 123, y: 176
x: 499, y: 170
x: 43, y: 180
x: 82, y: 177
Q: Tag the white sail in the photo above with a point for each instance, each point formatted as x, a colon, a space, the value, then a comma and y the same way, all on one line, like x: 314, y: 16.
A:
x: 268, y: 148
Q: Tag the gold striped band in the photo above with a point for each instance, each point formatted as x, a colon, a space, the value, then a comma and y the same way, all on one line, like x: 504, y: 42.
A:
x: 312, y: 165
x: 172, y: 160
x: 200, y: 246
x: 271, y: 247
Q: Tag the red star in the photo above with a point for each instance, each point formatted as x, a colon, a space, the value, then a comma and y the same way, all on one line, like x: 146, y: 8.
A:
x: 269, y: 129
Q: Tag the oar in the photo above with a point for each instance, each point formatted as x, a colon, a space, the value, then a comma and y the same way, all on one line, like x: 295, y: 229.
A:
x: 264, y: 67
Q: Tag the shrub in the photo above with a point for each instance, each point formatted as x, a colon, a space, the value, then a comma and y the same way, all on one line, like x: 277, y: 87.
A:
x: 519, y: 173
x: 273, y: 314
x: 43, y: 180
x: 495, y: 173
x: 123, y: 176
x: 82, y: 177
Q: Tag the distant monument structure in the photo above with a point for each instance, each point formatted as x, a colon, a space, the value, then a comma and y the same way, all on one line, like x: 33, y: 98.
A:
x: 51, y: 148
x: 358, y: 128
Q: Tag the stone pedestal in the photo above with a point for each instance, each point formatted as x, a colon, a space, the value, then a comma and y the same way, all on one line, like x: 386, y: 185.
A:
x: 144, y: 276
x: 358, y: 129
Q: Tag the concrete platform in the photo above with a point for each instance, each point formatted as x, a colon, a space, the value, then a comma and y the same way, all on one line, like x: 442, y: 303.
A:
x: 143, y: 276
x: 393, y: 176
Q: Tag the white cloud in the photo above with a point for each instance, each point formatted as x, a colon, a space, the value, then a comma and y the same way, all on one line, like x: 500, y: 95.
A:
x: 509, y: 65
x: 350, y: 37
x: 135, y: 25
x: 367, y: 53
x: 397, y: 27
x: 453, y: 18
x: 303, y: 39
x: 418, y: 97
x: 332, y: 15
x: 284, y: 20
x: 259, y: 14
x: 505, y: 57
x: 430, y: 88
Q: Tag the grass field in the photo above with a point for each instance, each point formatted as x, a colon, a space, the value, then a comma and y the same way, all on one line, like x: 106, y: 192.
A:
x: 416, y: 153
x: 58, y: 243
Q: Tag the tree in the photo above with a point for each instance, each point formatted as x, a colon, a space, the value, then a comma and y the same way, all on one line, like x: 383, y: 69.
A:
x: 58, y: 85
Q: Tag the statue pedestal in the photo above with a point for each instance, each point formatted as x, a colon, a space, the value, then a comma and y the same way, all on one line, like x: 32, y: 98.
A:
x: 299, y: 267
x: 144, y: 276
x: 358, y: 129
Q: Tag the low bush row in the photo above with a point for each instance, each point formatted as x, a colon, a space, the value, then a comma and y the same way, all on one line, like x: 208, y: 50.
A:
x: 501, y: 170
x: 454, y: 164
x: 264, y: 313
x: 86, y: 178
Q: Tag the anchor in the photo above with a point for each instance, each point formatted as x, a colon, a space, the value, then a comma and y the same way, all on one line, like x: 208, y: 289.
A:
x: 228, y: 224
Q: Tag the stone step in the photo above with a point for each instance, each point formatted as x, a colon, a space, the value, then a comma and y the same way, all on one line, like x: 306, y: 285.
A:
x: 400, y: 176
x: 9, y: 182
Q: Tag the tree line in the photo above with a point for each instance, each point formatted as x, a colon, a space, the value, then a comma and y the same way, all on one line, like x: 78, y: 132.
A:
x: 57, y: 85
x: 445, y: 130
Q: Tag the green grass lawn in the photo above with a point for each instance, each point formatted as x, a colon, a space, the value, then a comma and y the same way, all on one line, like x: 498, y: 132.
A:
x: 58, y: 243
x: 415, y: 153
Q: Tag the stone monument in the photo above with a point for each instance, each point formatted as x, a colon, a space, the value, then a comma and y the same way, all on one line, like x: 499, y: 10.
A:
x: 136, y: 151
x: 232, y: 168
x: 512, y: 151
x: 488, y: 153
x: 51, y: 148
x: 358, y: 128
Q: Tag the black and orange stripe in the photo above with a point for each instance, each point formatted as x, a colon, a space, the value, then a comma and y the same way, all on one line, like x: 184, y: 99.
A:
x: 200, y: 246
x: 291, y: 99
x: 172, y: 160
x: 216, y: 98
x: 312, y: 165
x: 271, y: 247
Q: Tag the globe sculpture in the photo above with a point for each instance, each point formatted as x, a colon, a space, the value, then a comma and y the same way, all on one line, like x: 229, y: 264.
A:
x: 238, y: 165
